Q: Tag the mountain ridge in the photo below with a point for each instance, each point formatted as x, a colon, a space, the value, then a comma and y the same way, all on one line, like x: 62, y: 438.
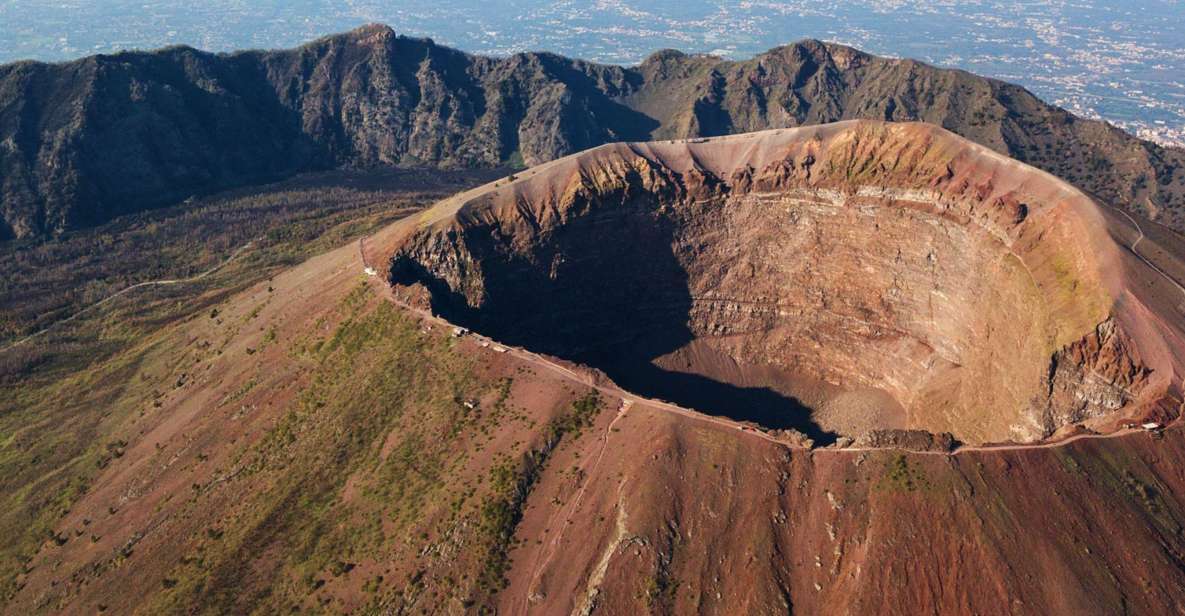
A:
x: 89, y: 140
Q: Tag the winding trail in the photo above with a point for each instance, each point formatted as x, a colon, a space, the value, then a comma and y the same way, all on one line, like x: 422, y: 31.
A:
x: 129, y: 289
x: 1141, y: 257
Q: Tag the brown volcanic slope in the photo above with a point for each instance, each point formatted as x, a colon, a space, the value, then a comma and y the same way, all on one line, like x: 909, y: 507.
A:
x: 103, y: 136
x: 884, y: 275
x: 312, y: 446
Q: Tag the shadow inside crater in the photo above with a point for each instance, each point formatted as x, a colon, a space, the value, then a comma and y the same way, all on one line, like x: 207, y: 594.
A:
x: 760, y: 405
x: 606, y: 289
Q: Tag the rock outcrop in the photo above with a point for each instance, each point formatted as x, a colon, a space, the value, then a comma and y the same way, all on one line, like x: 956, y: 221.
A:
x: 909, y: 440
x: 86, y: 141
x: 1094, y: 376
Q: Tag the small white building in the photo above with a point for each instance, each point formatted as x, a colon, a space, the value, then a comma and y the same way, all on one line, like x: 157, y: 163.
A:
x: 370, y: 271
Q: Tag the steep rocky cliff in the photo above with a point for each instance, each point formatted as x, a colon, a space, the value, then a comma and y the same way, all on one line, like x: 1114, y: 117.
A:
x: 86, y: 141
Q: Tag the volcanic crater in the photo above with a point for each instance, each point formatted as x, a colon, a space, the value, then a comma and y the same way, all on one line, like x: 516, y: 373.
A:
x: 845, y: 280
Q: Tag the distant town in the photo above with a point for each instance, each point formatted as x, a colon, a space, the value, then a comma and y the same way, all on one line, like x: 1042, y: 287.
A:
x: 1121, y: 61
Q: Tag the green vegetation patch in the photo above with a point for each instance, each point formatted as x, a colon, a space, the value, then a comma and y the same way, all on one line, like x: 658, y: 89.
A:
x: 55, y: 436
x: 511, y: 483
x: 65, y: 396
x: 902, y: 476
x: 377, y: 377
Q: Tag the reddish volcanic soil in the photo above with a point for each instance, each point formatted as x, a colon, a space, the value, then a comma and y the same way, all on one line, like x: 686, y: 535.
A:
x: 338, y: 448
x: 718, y: 523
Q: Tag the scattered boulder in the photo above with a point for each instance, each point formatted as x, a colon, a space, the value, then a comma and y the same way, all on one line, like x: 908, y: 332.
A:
x: 912, y: 440
x: 793, y: 437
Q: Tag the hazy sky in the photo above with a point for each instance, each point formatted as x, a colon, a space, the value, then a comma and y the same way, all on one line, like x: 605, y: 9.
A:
x: 1123, y: 60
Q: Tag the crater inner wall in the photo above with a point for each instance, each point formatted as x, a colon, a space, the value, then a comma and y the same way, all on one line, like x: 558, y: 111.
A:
x: 837, y: 288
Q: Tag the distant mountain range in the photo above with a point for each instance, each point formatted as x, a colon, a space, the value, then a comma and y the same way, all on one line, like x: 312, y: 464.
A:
x: 86, y: 141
